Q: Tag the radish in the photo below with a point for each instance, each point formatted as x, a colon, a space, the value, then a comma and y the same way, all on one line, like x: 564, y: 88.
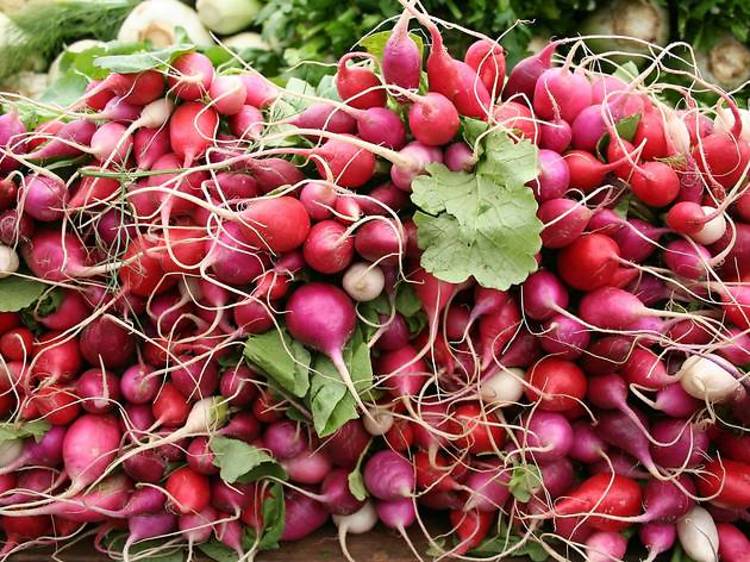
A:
x: 89, y: 446
x: 558, y: 89
x: 192, y: 129
x: 193, y: 76
x: 488, y: 59
x: 247, y: 123
x: 149, y: 525
x: 328, y: 248
x: 564, y: 221
x: 398, y: 515
x: 363, y: 282
x: 503, y: 387
x: 382, y: 126
x: 678, y: 443
x: 380, y: 241
x: 588, y: 173
x: 422, y: 155
x: 548, y: 435
x: 138, y: 88
x: 360, y: 522
x: 557, y: 385
x: 388, y: 476
x: 657, y: 538
x: 554, y: 177
x: 227, y: 94
x: 105, y: 342
x: 66, y: 142
x: 590, y: 262
x: 727, y: 482
x: 587, y: 128
x: 517, y: 118
x: 587, y: 446
x: 706, y: 378
x: 524, y: 76
x: 359, y: 87
x: 543, y: 295
x: 459, y: 158
x: 308, y: 467
x: 45, y: 452
x: 44, y: 197
x: 402, y: 61
x: 318, y: 199
x: 605, y: 546
x: 322, y: 316
x: 433, y: 119
x: 111, y: 143
x: 555, y: 136
x: 303, y: 515
x: 564, y: 337
x: 325, y: 117
x: 280, y: 224
x: 698, y: 535
x: 619, y: 430
x: 335, y: 493
x: 733, y: 543
x: 656, y: 184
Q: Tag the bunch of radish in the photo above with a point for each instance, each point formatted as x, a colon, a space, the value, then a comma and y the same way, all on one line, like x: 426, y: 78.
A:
x: 597, y: 409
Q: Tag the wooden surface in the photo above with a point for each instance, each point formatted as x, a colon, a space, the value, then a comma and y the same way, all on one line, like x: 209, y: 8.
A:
x: 379, y: 545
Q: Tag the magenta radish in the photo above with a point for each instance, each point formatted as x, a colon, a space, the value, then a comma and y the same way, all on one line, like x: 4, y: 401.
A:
x: 564, y: 220
x: 620, y: 431
x: 357, y: 86
x: 543, y: 295
x: 106, y: 342
x: 325, y: 117
x: 657, y: 538
x: 309, y: 467
x: 680, y: 443
x: 588, y: 128
x: 67, y: 142
x: 587, y: 446
x: 389, y: 476
x: 247, y: 123
x: 610, y: 308
x: 397, y: 514
x: 402, y: 61
x: 422, y: 155
x: 380, y: 241
x: 45, y: 452
x: 460, y: 158
x: 554, y: 177
x: 233, y: 261
x: 328, y: 248
x: 555, y: 136
x: 44, y: 198
x: 564, y: 337
x: 433, y: 119
x: 335, y: 493
x: 89, y: 446
x: 524, y: 76
x: 98, y: 390
x: 548, y: 435
x: 488, y: 489
x: 382, y: 126
x: 302, y: 516
x: 558, y: 89
x: 605, y: 546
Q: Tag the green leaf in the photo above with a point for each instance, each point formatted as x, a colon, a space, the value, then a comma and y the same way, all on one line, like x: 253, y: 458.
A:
x: 216, y: 550
x: 284, y: 360
x: 524, y: 482
x: 239, y: 462
x: 331, y: 403
x: 357, y: 485
x: 627, y: 126
x: 138, y: 62
x: 508, y: 162
x: 473, y: 129
x: 679, y: 555
x: 18, y: 292
x: 273, y: 518
x: 23, y: 430
x: 375, y: 43
x: 626, y: 72
x: 407, y: 302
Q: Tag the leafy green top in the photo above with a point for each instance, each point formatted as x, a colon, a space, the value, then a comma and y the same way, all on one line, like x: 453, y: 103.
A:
x: 481, y: 224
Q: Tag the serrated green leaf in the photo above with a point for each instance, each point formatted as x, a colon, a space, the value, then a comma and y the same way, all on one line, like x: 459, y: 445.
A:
x: 218, y: 551
x: 239, y: 462
x: 507, y: 161
x: 18, y: 292
x: 282, y: 359
x: 524, y: 482
x: 375, y: 43
x: 140, y: 61
x: 407, y: 302
x: 11, y: 431
x: 331, y: 403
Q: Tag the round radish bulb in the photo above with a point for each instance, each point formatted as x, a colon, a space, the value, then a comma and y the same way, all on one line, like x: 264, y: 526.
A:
x: 227, y: 94
x: 363, y: 282
x: 191, y: 76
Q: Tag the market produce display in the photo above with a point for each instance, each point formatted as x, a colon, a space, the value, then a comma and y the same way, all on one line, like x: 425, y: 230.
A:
x: 517, y: 297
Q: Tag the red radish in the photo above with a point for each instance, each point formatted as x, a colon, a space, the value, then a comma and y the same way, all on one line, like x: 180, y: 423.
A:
x: 170, y: 407
x: 651, y: 130
x: 56, y: 358
x: 247, y: 123
x: 601, y: 495
x: 192, y: 129
x: 98, y: 390
x: 604, y: 86
x: 402, y: 61
x: 557, y: 385
x: 227, y: 94
x: 727, y: 482
x: 328, y: 249
x: 517, y: 118
x: 138, y: 386
x: 112, y: 143
x: 475, y: 430
x: 402, y: 371
x: 191, y: 76
x: 433, y: 119
x: 488, y: 59
x: 496, y: 331
x: 380, y: 241
x: 587, y: 173
x: 260, y: 91
x: 359, y: 87
x: 346, y: 445
x: 733, y: 543
x: 325, y: 117
x: 15, y: 344
x: 526, y: 73
x: 564, y: 220
x: 253, y: 316
x: 318, y: 198
x: 350, y: 165
x: 589, y: 262
x: 656, y: 184
x: 687, y: 259
x: 280, y: 224
x: 471, y: 528
x: 721, y: 158
x: 105, y: 342
x: 232, y: 261
x: 238, y: 385
x: 93, y: 190
x: 188, y: 491
x: 559, y: 90
x: 45, y: 452
x: 58, y: 406
x: 645, y: 368
x: 137, y: 88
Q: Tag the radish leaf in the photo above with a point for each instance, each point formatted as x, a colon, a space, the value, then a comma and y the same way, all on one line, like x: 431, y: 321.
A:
x: 282, y: 358
x: 239, y: 462
x: 18, y: 292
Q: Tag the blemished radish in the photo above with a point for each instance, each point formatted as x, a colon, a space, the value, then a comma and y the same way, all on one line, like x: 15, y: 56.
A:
x: 605, y: 546
x: 526, y: 73
x: 363, y: 282
x: 402, y: 62
x: 357, y: 86
x: 361, y: 521
x: 322, y: 316
x: 698, y: 535
x: 433, y: 119
x: 707, y: 379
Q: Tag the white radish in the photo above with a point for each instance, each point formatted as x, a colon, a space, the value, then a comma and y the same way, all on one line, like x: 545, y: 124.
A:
x: 246, y: 40
x: 704, y: 378
x: 713, y: 230
x: 502, y: 388
x: 363, y: 282
x: 155, y: 114
x: 379, y: 422
x: 359, y: 522
x: 9, y: 262
x: 698, y: 535
x: 156, y: 21
x: 227, y: 16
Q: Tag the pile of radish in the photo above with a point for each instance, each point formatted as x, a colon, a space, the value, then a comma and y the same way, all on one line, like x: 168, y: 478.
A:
x: 256, y: 309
